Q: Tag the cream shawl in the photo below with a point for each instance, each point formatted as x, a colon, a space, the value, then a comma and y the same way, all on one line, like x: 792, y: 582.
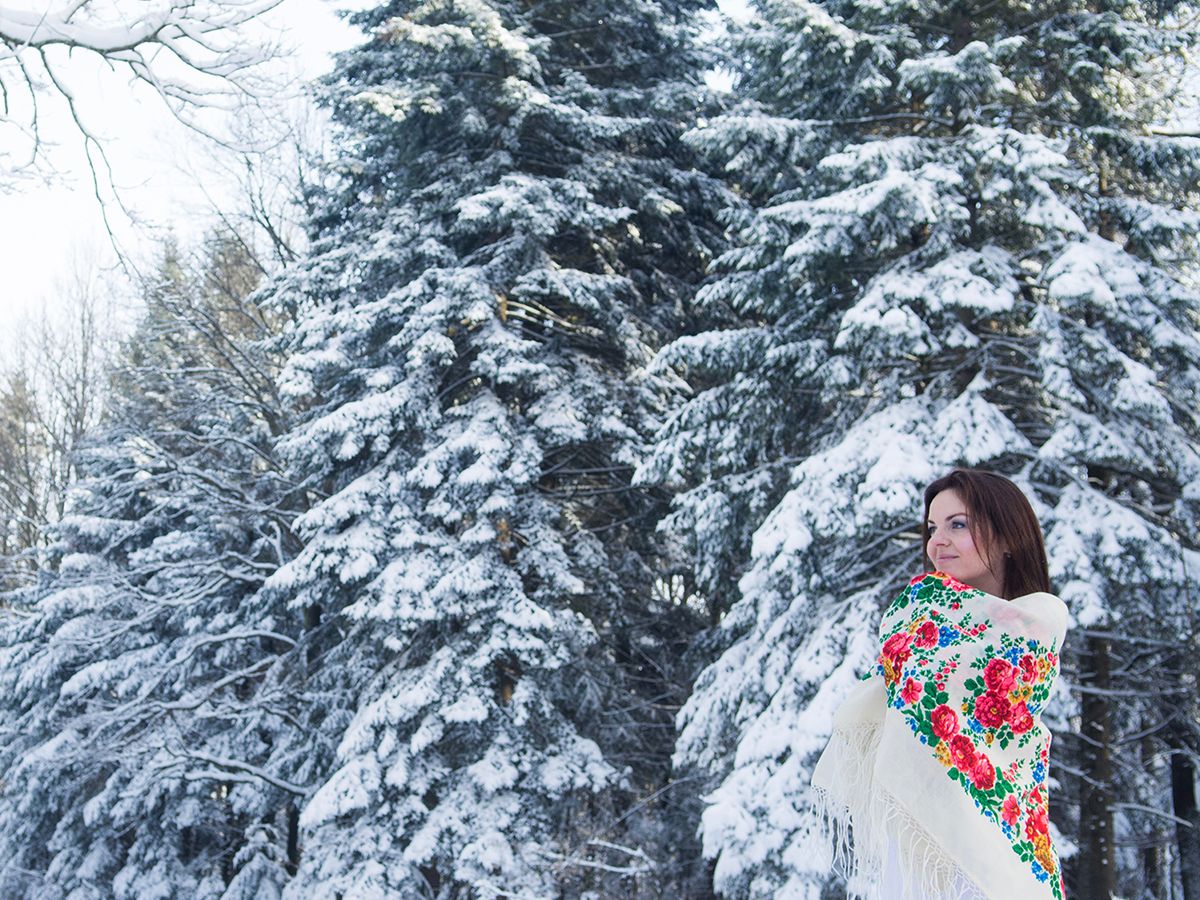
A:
x: 940, y: 756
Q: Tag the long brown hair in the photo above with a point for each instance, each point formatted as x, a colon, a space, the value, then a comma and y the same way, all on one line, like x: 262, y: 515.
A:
x: 998, y: 512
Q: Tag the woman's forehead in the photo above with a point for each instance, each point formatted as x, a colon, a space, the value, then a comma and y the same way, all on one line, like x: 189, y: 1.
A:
x: 947, y: 504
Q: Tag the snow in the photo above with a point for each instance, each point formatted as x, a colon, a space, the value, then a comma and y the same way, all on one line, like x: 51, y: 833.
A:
x: 493, y: 773
x: 875, y: 311
x: 350, y: 788
x: 945, y: 78
x: 468, y: 708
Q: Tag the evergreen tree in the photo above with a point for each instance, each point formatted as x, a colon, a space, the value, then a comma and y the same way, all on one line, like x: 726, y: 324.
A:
x: 148, y: 685
x: 515, y: 228
x: 50, y: 396
x: 961, y: 241
x: 22, y: 463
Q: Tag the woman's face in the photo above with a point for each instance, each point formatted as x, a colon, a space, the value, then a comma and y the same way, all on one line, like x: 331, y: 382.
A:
x: 952, y: 549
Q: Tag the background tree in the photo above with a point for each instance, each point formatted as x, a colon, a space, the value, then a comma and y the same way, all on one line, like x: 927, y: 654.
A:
x: 150, y: 686
x: 23, y: 453
x: 515, y: 229
x: 963, y: 242
x: 51, y: 395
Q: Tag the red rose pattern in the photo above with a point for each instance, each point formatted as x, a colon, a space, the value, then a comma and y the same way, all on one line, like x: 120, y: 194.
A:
x: 944, y: 721
x: 1000, y: 676
x: 1010, y: 810
x: 962, y: 752
x: 895, y: 648
x: 1038, y: 821
x: 991, y: 709
x: 911, y: 692
x: 1019, y: 719
x: 926, y: 636
x: 983, y: 773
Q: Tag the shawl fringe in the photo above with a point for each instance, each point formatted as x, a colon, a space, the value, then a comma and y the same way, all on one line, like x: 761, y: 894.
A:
x: 858, y: 817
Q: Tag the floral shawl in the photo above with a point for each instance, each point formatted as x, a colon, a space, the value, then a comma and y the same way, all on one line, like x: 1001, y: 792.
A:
x: 940, y: 758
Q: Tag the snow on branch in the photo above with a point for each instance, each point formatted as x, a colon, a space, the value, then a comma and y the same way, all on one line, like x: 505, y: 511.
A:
x: 637, y: 863
x: 196, y: 55
x: 237, y: 770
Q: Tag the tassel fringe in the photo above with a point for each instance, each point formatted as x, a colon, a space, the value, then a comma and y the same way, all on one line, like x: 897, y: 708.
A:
x: 861, y: 819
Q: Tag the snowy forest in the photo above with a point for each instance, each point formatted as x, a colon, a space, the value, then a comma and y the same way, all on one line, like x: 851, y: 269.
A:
x: 512, y: 526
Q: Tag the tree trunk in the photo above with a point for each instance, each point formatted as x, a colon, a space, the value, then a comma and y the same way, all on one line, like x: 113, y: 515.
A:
x: 292, y: 815
x: 1155, y: 858
x: 1097, y: 864
x: 1183, y: 801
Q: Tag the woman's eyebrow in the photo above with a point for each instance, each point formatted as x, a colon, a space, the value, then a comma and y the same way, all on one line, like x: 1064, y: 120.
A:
x: 948, y: 518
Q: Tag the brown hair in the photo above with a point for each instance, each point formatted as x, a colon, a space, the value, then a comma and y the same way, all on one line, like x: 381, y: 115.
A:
x: 998, y: 512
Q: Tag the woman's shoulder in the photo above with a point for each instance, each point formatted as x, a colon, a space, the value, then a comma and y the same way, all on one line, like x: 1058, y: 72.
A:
x: 1047, y: 608
x: 1041, y: 612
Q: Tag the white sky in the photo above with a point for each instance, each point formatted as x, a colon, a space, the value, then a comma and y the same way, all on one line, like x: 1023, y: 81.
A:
x: 47, y: 227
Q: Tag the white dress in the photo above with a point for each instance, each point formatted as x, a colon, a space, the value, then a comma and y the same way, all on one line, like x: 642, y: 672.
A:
x: 892, y: 887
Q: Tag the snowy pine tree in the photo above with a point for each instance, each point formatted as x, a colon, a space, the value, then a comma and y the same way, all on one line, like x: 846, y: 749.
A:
x: 515, y: 229
x: 962, y: 242
x: 148, y: 686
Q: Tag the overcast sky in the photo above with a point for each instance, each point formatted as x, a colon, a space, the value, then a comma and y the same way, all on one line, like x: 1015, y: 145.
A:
x: 50, y: 229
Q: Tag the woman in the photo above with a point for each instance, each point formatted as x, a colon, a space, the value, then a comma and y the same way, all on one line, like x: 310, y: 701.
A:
x: 938, y: 762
